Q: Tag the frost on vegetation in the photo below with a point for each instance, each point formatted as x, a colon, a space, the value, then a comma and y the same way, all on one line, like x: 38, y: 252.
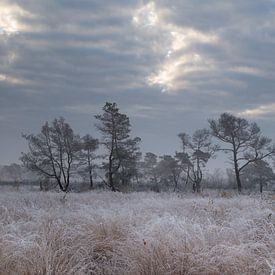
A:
x: 137, y: 233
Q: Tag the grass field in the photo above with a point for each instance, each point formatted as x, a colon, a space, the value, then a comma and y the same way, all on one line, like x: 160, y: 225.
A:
x: 137, y: 233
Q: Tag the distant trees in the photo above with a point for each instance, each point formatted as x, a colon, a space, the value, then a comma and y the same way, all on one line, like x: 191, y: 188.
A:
x: 198, y: 149
x: 12, y: 173
x: 164, y: 171
x: 122, y: 151
x: 58, y: 155
x: 259, y: 174
x: 170, y: 169
x: 150, y: 167
x: 86, y: 156
x: 243, y: 141
x: 52, y: 152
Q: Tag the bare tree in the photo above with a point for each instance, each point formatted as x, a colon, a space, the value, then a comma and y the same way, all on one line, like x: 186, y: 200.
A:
x: 87, y: 156
x: 115, y: 129
x: 52, y: 152
x: 199, y: 150
x: 243, y: 140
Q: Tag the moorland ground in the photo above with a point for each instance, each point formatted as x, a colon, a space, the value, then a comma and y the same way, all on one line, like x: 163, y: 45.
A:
x: 135, y: 233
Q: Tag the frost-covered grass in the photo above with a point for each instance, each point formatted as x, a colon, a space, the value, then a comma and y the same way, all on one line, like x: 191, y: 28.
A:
x: 137, y: 233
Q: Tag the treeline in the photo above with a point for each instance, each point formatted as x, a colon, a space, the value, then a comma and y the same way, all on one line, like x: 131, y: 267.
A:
x: 58, y: 155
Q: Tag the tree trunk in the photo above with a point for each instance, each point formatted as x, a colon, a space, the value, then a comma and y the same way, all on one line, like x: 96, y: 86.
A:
x: 175, y: 182
x: 90, y: 170
x: 110, y: 167
x: 41, y: 185
x: 111, y: 181
x: 261, y: 187
x: 91, y: 179
x: 110, y: 173
x: 137, y: 179
x: 198, y: 177
x: 198, y: 187
x: 238, y: 179
x: 194, y: 187
x: 236, y: 168
x: 60, y: 184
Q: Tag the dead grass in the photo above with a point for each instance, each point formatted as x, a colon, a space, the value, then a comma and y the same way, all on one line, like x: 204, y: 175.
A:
x: 138, y: 233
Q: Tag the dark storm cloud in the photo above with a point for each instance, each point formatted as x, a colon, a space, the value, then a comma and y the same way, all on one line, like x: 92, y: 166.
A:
x: 69, y: 57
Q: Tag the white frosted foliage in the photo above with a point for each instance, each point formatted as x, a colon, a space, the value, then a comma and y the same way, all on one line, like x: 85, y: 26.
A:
x: 137, y: 233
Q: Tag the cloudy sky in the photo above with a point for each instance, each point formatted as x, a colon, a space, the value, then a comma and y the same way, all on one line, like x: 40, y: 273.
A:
x: 169, y: 64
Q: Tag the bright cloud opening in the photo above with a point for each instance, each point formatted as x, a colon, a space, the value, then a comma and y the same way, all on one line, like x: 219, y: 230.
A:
x: 173, y: 40
x: 10, y: 79
x: 146, y: 16
x: 165, y: 76
x: 247, y: 70
x: 9, y: 23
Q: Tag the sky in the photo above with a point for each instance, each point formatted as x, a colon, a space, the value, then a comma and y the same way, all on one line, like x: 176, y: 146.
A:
x: 168, y: 64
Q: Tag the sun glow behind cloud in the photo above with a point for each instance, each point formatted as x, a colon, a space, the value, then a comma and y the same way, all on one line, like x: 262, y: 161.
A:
x: 146, y: 16
x: 174, y: 43
x: 10, y: 79
x: 9, y: 23
x: 170, y: 74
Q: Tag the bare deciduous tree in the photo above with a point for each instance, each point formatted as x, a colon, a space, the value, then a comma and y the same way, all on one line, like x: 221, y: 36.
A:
x: 199, y: 150
x: 244, y: 141
x: 52, y: 152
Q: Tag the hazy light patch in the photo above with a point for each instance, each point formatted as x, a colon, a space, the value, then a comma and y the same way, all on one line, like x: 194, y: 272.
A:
x: 169, y: 75
x: 165, y: 76
x: 173, y: 41
x: 146, y: 16
x: 11, y: 57
x: 178, y: 41
x: 142, y: 111
x: 247, y: 70
x: 184, y: 37
x: 11, y: 80
x: 260, y: 111
x: 9, y: 23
